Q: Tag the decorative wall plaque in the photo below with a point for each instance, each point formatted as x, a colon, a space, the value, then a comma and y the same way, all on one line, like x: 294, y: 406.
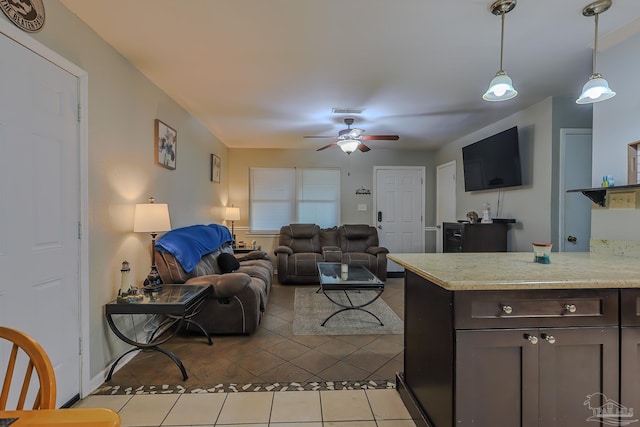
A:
x: 27, y: 15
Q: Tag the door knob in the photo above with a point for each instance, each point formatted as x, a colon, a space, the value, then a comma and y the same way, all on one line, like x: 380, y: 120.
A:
x: 507, y: 309
x: 549, y: 338
x: 532, y: 338
x: 572, y: 239
x: 571, y: 308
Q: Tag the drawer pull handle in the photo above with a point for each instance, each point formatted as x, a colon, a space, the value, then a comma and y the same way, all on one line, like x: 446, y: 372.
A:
x: 532, y: 338
x: 571, y: 308
x: 549, y: 338
x: 507, y: 309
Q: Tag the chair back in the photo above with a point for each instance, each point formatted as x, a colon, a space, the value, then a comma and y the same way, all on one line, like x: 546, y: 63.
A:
x: 22, y: 345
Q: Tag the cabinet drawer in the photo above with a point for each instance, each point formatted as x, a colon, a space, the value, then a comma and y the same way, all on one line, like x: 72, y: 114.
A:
x: 630, y: 307
x: 536, y: 308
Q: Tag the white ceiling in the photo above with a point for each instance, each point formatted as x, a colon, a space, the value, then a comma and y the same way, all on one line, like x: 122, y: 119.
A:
x: 263, y: 74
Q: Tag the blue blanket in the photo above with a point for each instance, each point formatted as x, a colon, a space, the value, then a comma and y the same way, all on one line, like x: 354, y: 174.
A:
x: 189, y: 244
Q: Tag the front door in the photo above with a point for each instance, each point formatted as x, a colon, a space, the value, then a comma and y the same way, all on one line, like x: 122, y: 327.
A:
x: 39, y: 208
x: 399, y: 209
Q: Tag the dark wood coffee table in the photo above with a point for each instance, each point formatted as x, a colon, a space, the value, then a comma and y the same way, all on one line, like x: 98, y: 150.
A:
x: 356, y: 278
x: 178, y: 302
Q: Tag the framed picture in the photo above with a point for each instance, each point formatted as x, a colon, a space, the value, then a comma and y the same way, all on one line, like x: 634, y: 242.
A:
x: 215, y: 169
x: 166, y: 145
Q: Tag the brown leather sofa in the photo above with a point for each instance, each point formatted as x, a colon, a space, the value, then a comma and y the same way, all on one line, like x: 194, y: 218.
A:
x: 238, y: 299
x: 302, y: 246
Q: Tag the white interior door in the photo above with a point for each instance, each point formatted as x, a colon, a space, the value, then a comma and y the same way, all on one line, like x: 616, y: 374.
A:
x: 445, y: 198
x: 399, y: 209
x: 39, y: 208
x: 575, y: 208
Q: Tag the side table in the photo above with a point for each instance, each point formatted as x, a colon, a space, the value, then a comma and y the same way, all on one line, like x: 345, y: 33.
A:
x: 178, y: 302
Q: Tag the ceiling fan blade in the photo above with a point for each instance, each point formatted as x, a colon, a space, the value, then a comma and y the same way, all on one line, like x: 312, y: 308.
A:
x: 363, y: 148
x: 315, y: 136
x: 381, y: 137
x: 327, y: 146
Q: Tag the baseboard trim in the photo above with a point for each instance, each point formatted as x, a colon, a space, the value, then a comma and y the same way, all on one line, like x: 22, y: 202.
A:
x: 99, y: 380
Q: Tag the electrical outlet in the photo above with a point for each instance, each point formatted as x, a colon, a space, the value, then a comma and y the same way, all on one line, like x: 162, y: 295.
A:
x: 362, y: 207
x: 622, y: 200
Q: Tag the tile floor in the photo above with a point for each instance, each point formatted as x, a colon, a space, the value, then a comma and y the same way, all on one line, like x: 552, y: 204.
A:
x: 272, y: 354
x: 344, y: 408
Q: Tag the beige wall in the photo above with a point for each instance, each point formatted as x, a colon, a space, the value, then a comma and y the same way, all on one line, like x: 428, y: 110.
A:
x: 531, y: 204
x: 615, y: 125
x: 122, y: 107
x: 357, y: 171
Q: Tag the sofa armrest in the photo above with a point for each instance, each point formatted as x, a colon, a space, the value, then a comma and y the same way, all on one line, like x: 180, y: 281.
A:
x: 331, y: 254
x: 224, y: 285
x: 283, y: 250
x: 375, y: 250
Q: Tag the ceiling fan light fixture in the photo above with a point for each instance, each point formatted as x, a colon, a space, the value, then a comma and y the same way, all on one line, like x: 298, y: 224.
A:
x: 500, y: 89
x: 501, y: 86
x: 596, y: 89
x: 348, y: 145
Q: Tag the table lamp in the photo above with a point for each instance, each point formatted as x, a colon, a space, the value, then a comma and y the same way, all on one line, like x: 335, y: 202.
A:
x: 152, y: 218
x: 232, y: 214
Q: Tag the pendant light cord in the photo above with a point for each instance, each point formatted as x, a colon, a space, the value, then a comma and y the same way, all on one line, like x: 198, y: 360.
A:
x: 502, y: 40
x: 595, y: 46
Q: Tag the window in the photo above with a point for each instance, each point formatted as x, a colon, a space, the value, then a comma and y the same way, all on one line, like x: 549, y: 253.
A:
x: 280, y: 196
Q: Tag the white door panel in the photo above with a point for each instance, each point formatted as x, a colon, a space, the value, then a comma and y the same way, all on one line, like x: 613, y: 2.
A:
x: 445, y: 198
x: 39, y: 208
x: 399, y: 209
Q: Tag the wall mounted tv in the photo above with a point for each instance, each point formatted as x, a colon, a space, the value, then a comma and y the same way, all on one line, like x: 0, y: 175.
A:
x: 493, y: 162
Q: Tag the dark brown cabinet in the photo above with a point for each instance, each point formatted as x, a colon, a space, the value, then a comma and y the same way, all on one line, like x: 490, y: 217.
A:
x: 630, y: 348
x: 533, y: 377
x: 528, y: 358
x: 461, y: 237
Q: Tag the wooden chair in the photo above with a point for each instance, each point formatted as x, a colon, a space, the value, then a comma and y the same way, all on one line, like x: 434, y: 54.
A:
x: 38, y: 360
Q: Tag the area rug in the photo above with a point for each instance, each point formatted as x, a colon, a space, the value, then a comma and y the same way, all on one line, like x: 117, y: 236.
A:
x: 311, y: 309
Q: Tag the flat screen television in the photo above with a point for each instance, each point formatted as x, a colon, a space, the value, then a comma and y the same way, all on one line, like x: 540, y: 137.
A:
x: 493, y: 162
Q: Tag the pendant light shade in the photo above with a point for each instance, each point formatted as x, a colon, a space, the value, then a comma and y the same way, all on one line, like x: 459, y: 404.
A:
x: 348, y: 145
x: 596, y: 89
x: 501, y: 87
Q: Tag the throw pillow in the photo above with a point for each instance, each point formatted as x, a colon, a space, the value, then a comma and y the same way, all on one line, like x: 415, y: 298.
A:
x: 228, y: 263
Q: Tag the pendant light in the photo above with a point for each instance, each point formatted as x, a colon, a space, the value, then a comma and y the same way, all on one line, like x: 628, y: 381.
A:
x: 501, y: 87
x: 597, y: 88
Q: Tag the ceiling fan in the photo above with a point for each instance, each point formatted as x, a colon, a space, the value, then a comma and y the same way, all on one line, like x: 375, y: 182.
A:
x: 350, y: 140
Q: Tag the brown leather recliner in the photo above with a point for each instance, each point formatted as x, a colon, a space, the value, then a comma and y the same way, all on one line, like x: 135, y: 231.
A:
x: 302, y: 246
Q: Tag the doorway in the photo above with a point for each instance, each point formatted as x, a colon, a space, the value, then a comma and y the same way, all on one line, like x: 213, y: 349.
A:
x: 445, y: 198
x: 574, y: 208
x: 399, y: 194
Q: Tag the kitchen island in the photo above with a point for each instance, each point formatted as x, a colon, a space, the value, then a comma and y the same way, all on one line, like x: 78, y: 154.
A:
x: 494, y: 339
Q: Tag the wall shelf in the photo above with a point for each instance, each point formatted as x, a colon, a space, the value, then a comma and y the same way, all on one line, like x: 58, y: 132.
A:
x: 598, y: 195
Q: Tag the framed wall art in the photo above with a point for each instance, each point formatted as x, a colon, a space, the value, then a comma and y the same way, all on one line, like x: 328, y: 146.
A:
x: 166, y: 145
x: 215, y: 169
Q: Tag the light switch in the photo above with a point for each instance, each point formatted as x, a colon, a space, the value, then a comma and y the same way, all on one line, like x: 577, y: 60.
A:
x: 362, y: 206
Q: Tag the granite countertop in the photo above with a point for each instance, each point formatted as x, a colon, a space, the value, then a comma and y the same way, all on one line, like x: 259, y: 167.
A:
x: 516, y: 270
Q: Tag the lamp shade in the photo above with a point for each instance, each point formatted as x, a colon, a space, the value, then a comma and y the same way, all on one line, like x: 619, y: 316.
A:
x: 232, y: 214
x: 596, y: 89
x: 500, y: 89
x: 349, y: 145
x: 151, y: 218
